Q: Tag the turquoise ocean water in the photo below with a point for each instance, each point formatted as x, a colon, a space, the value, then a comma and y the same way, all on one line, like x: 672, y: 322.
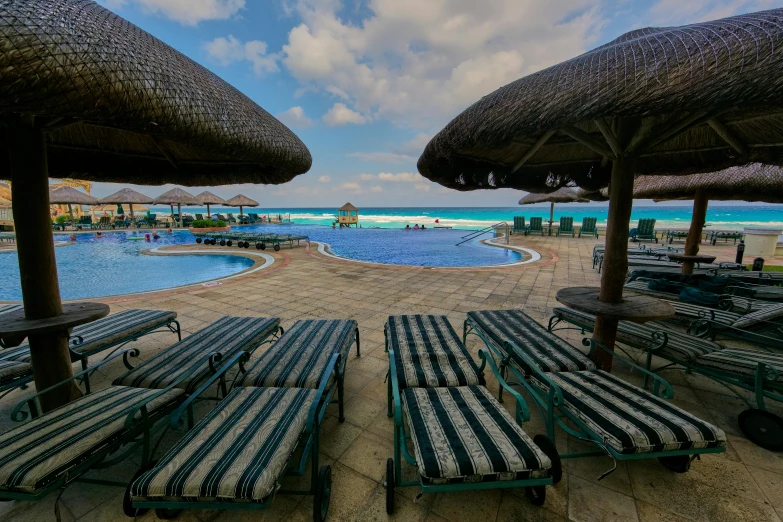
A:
x: 667, y: 216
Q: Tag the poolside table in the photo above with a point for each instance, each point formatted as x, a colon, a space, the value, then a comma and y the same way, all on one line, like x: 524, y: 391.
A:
x: 14, y: 326
x: 688, y: 260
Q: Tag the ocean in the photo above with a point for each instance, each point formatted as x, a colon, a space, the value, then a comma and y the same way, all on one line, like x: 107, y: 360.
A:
x: 472, y: 218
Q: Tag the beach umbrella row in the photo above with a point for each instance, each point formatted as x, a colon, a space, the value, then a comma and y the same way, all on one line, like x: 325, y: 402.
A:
x: 70, y: 196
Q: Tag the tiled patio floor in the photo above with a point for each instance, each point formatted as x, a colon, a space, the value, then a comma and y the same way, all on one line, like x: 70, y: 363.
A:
x: 744, y: 484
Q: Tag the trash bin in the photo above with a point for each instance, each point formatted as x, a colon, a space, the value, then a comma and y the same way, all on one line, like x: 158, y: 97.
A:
x: 761, y: 241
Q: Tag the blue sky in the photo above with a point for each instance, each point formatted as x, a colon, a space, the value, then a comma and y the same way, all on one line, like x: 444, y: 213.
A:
x: 366, y: 83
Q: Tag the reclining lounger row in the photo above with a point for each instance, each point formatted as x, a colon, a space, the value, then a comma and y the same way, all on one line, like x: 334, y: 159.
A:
x: 726, y: 302
x: 752, y: 370
x: 236, y: 457
x: 103, y: 428
x: 626, y: 422
x: 463, y: 439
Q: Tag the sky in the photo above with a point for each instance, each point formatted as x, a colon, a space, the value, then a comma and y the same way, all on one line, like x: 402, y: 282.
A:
x: 366, y: 83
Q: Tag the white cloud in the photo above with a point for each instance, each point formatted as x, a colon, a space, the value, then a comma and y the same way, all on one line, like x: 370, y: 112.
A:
x: 324, y: 179
x: 423, y: 187
x: 350, y: 187
x: 188, y: 12
x: 226, y: 51
x: 339, y: 114
x: 366, y: 177
x: 376, y: 188
x: 382, y: 157
x: 296, y: 119
x: 415, y: 146
x: 402, y: 177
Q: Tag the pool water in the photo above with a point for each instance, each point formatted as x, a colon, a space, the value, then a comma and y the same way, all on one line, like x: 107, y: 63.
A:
x: 113, y: 264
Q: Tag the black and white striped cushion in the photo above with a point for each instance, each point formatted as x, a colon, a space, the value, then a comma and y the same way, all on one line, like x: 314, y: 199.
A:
x: 772, y: 313
x: 298, y: 358
x: 37, y: 453
x: 743, y: 362
x: 549, y: 352
x: 103, y: 333
x: 227, y: 336
x: 10, y: 308
x: 462, y: 434
x: 737, y: 303
x: 428, y: 352
x: 234, y: 454
x: 629, y: 419
x: 11, y: 371
x: 692, y: 312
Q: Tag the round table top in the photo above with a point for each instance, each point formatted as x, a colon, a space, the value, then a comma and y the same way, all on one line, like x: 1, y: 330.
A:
x: 14, y: 327
x: 695, y: 258
x: 634, y: 307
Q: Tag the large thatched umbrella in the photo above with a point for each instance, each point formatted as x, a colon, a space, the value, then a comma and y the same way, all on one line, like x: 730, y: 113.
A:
x: 129, y: 196
x: 70, y: 196
x: 208, y: 198
x: 85, y: 93
x: 179, y: 197
x: 241, y: 201
x: 561, y: 195
x: 594, y: 195
x: 682, y: 100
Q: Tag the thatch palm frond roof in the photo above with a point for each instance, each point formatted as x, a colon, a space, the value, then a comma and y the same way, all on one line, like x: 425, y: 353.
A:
x: 561, y: 195
x: 126, y: 195
x: 119, y: 105
x: 208, y: 197
x: 66, y: 195
x: 240, y: 200
x: 176, y: 196
x: 594, y: 195
x: 348, y: 207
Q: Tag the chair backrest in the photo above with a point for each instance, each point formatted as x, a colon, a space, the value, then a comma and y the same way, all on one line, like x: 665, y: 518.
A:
x: 222, y: 217
x: 199, y: 216
x: 85, y: 220
x: 772, y: 313
x: 566, y: 224
x: 535, y: 223
x: 253, y: 216
x: 646, y: 227
x: 588, y: 224
x: 152, y: 217
x: 230, y: 215
x: 519, y: 222
x: 105, y: 220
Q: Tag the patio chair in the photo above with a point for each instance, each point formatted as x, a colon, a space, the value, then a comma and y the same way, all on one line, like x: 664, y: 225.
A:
x: 221, y: 217
x: 84, y: 222
x: 519, y: 225
x: 199, y: 217
x: 566, y: 226
x: 110, y: 332
x: 671, y: 235
x: 645, y: 230
x: 462, y: 438
x: 731, y: 303
x: 105, y: 222
x: 626, y: 422
x: 253, y: 217
x: 536, y: 226
x: 187, y: 221
x: 751, y: 370
x: 589, y: 227
x: 230, y: 218
x: 715, y: 235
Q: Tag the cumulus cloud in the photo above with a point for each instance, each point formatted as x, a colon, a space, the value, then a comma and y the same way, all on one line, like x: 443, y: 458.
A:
x: 324, y: 179
x: 296, y: 119
x: 402, y: 177
x: 422, y: 187
x: 188, y: 12
x: 340, y: 114
x: 366, y: 177
x: 350, y: 187
x: 382, y: 157
x: 376, y: 188
x: 226, y: 51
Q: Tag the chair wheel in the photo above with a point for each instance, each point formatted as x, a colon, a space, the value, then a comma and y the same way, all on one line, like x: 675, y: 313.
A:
x: 127, y: 506
x: 763, y: 428
x: 536, y: 494
x: 676, y: 463
x: 222, y: 242
x: 389, y: 486
x: 323, y: 494
x: 198, y: 240
x: 229, y: 243
x: 258, y: 246
x: 247, y: 244
x: 277, y: 248
x: 212, y: 241
x: 263, y: 246
x: 167, y: 514
x: 548, y: 447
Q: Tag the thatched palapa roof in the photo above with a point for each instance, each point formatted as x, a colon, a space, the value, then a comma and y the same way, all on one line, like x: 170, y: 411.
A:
x: 241, y: 200
x: 176, y: 196
x: 69, y: 195
x: 120, y: 105
x: 349, y: 207
x: 594, y: 195
x: 208, y: 198
x: 561, y: 195
x: 126, y: 195
x: 697, y: 98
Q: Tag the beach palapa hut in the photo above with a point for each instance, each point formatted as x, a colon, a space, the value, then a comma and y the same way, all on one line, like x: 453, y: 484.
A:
x: 240, y: 201
x: 179, y: 197
x: 681, y: 100
x: 561, y: 195
x: 85, y: 93
x: 208, y: 198
x: 129, y: 196
x: 70, y: 196
x: 348, y: 215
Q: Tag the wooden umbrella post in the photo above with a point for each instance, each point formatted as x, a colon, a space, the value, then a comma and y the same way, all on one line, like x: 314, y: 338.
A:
x: 51, y: 359
x: 700, y: 203
x: 179, y: 213
x: 70, y: 211
x: 551, y: 216
x: 133, y: 221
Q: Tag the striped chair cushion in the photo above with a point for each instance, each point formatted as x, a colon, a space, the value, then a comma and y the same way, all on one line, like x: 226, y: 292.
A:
x: 298, y: 358
x: 462, y: 434
x: 769, y: 313
x: 104, y: 333
x: 549, y: 352
x: 10, y: 371
x: 744, y: 362
x: 236, y: 453
x: 10, y: 308
x: 692, y: 312
x: 428, y: 352
x: 227, y: 336
x: 37, y: 453
x: 629, y: 419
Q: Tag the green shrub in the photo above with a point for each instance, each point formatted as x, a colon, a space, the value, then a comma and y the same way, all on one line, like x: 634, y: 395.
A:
x: 61, y: 219
x: 208, y: 223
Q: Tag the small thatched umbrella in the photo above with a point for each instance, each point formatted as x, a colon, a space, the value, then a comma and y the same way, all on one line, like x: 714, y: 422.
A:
x: 208, y: 198
x: 561, y: 195
x: 179, y: 197
x: 682, y: 100
x: 241, y: 201
x: 129, y: 196
x: 70, y: 196
x: 85, y: 93
x: 594, y: 195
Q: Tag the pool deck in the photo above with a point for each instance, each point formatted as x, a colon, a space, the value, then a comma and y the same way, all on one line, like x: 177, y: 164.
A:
x: 743, y: 484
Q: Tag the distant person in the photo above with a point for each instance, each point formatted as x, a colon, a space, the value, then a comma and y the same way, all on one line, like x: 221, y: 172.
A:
x: 73, y: 237
x: 147, y: 238
x: 422, y: 227
x: 98, y: 234
x: 170, y: 232
x: 407, y: 227
x: 437, y: 221
x: 155, y: 235
x: 416, y: 226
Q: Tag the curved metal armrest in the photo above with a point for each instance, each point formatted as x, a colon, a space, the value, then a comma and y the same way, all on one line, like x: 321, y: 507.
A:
x: 331, y: 367
x: 19, y: 415
x: 658, y: 382
x: 554, y: 389
x: 522, y: 411
x: 395, y: 390
x: 659, y: 338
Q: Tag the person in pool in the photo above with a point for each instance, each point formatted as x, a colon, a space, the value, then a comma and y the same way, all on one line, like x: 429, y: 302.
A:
x: 416, y: 226
x: 155, y: 235
x: 407, y: 227
x: 73, y: 237
x: 98, y: 234
x: 170, y: 232
x: 422, y: 227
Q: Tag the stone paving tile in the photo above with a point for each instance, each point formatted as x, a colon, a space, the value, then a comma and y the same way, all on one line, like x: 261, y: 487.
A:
x: 744, y: 484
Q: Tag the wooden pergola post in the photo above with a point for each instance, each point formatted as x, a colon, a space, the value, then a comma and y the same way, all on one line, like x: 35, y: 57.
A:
x: 693, y: 240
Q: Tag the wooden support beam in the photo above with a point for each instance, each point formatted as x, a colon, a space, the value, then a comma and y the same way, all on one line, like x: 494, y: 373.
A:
x: 588, y: 141
x: 609, y: 136
x: 532, y: 150
x: 698, y: 219
x: 727, y: 136
x: 654, y: 136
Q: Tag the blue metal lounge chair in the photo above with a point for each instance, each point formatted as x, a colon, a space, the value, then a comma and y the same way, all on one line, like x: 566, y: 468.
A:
x: 536, y: 226
x: 462, y: 438
x: 566, y: 226
x: 645, y: 230
x: 623, y: 421
x: 589, y: 227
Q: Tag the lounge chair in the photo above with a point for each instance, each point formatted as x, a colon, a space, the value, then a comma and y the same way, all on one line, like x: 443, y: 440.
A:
x: 519, y: 225
x: 645, y: 230
x: 671, y: 235
x: 589, y: 227
x: 763, y: 326
x: 253, y: 217
x: 84, y: 222
x: 731, y: 303
x: 230, y: 218
x: 221, y: 217
x: 536, y: 226
x: 462, y: 438
x: 725, y: 236
x: 110, y: 332
x: 105, y: 222
x: 566, y: 226
x: 626, y: 422
x: 751, y: 370
x: 199, y: 217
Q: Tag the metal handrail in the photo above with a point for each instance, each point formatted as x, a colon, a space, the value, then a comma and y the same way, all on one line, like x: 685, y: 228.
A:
x: 477, y: 233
